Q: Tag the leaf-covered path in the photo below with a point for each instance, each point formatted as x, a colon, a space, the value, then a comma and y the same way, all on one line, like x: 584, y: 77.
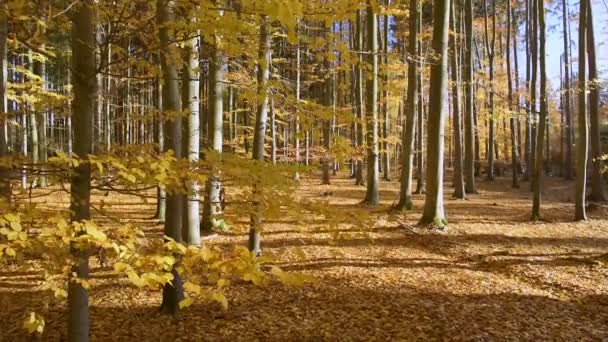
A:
x: 492, y: 276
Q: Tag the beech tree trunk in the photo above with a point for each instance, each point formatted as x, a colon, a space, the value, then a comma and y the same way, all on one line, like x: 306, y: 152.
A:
x: 215, y: 133
x: 5, y: 185
x: 172, y: 293
x: 372, y: 196
x: 459, y: 190
x: 191, y: 91
x: 83, y: 107
x: 405, y: 196
x: 260, y: 129
x: 597, y: 178
x: 542, y: 124
x: 569, y: 126
x: 434, y: 212
x: 582, y: 144
x: 513, y: 114
x: 469, y: 122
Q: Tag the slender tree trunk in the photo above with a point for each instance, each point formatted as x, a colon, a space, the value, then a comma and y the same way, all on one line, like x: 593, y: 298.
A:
x: 540, y: 140
x: 5, y: 185
x: 597, y: 179
x: 420, y: 164
x: 260, y: 130
x: 173, y: 293
x: 372, y: 196
x: 433, y: 212
x: 215, y: 133
x: 569, y: 129
x: 491, y: 53
x: 459, y: 190
x: 385, y: 122
x: 191, y: 105
x: 161, y: 194
x: 512, y: 114
x: 83, y: 107
x: 582, y: 144
x: 359, y: 180
x: 469, y: 123
x: 405, y: 196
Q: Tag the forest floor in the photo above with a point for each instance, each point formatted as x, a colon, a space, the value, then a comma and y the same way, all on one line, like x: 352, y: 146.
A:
x: 493, y: 275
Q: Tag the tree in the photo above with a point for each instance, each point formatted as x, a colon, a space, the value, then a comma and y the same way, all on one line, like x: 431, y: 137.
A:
x: 190, y: 103
x: 372, y: 196
x: 569, y: 129
x: 490, y: 49
x: 215, y: 129
x: 597, y: 179
x: 513, y: 120
x: 434, y: 212
x: 405, y: 195
x: 5, y: 186
x: 582, y: 144
x: 359, y: 92
x: 469, y: 123
x: 83, y: 107
x: 260, y: 129
x: 173, y: 292
x: 542, y: 124
x: 459, y: 191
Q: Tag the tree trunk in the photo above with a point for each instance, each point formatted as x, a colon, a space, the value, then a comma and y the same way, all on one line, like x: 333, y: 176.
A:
x: 385, y: 122
x: 83, y: 107
x: 260, y: 130
x: 512, y: 114
x: 569, y: 129
x: 582, y: 144
x: 405, y: 196
x: 359, y: 94
x: 491, y: 53
x: 172, y: 293
x: 191, y: 91
x: 372, y: 196
x: 459, y: 190
x: 540, y: 140
x: 5, y: 185
x: 597, y: 179
x: 215, y: 132
x: 469, y: 124
x: 434, y: 213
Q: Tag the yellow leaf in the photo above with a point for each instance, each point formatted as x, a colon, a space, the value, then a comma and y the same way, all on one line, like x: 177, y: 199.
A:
x: 10, y: 252
x: 186, y: 302
x: 34, y: 323
x: 220, y: 298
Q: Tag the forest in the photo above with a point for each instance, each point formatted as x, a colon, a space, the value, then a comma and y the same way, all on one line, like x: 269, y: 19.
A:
x: 290, y: 170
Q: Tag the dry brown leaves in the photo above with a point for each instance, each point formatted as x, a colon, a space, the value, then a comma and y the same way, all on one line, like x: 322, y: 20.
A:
x: 492, y: 276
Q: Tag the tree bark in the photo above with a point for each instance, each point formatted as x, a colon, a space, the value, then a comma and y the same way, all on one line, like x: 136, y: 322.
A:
x: 405, y: 196
x: 372, y: 196
x: 459, y: 190
x: 172, y: 293
x: 582, y: 143
x: 469, y: 123
x: 542, y: 124
x: 260, y: 130
x: 83, y: 107
x: 569, y: 129
x: 5, y: 185
x: 191, y: 105
x: 512, y: 114
x: 597, y: 178
x: 434, y: 213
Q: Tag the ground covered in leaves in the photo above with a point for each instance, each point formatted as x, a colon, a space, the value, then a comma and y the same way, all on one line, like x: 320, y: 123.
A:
x: 493, y: 275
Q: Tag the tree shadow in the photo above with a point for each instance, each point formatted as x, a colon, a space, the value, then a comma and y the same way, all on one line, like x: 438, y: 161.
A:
x: 327, y: 311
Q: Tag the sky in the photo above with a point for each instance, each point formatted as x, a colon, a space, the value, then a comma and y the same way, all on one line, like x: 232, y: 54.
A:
x: 555, y: 43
